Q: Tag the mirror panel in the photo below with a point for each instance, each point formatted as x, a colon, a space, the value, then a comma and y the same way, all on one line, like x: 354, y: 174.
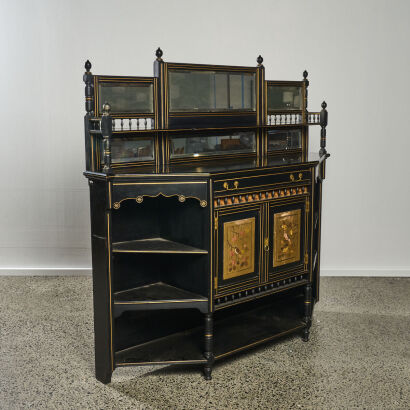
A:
x: 282, y: 97
x: 132, y: 149
x: 195, y: 146
x: 280, y: 140
x: 126, y: 97
x: 210, y: 91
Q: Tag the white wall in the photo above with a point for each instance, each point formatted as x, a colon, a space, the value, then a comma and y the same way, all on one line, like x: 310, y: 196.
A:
x: 357, y: 55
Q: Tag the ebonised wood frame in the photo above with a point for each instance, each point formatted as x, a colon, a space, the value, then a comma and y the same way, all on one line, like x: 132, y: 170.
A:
x: 187, y: 251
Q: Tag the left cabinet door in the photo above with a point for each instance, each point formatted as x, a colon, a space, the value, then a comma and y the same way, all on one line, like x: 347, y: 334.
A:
x: 238, y: 253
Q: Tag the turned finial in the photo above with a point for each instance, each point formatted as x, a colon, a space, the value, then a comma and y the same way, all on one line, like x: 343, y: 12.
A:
x: 87, y: 66
x: 159, y: 54
x: 89, y: 88
x: 106, y: 108
x: 305, y: 80
x: 259, y: 60
x: 324, y: 105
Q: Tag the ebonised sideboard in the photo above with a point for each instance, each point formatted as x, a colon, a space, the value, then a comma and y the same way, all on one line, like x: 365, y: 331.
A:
x: 205, y: 212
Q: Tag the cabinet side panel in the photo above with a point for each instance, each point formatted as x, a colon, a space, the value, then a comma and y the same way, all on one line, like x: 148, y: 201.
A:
x: 98, y: 204
x: 101, y: 280
x: 102, y: 314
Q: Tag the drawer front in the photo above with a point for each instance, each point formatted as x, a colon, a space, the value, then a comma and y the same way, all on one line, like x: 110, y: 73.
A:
x: 238, y: 184
x: 122, y: 191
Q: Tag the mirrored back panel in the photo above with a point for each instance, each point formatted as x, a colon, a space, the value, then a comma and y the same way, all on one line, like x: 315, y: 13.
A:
x: 127, y: 96
x: 210, y: 91
x: 284, y: 96
x: 197, y: 96
x: 284, y: 140
x: 132, y: 149
x: 202, y: 145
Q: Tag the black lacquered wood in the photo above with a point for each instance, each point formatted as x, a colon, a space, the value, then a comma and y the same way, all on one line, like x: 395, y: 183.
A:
x: 157, y: 226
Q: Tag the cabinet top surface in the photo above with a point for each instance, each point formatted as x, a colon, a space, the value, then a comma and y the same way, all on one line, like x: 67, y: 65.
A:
x: 212, y: 168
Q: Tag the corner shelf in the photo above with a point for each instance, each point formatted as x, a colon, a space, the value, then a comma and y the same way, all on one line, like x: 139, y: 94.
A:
x: 155, y: 245
x: 158, y: 295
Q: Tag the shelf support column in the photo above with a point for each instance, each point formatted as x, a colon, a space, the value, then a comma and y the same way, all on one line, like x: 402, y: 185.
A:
x: 305, y: 114
x: 209, y: 342
x: 322, y: 151
x: 106, y: 130
x: 89, y: 105
x: 308, y: 312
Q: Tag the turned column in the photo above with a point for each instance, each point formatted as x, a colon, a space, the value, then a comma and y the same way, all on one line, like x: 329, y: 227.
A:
x: 209, y: 348
x: 307, y: 311
x: 305, y: 113
x: 323, y: 124
x: 106, y: 131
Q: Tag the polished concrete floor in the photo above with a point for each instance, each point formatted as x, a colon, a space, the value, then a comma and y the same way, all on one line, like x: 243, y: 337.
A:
x: 358, y: 356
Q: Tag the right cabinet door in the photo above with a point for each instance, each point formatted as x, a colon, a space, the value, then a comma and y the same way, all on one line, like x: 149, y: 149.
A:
x: 287, y: 243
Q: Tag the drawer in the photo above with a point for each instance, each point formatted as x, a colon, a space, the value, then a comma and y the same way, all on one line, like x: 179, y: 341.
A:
x: 231, y: 186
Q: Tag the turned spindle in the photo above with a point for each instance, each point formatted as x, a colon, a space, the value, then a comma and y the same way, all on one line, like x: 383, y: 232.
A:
x: 305, y: 97
x: 106, y: 130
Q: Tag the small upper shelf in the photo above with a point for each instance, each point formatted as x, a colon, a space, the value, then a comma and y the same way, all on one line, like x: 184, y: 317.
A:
x: 155, y: 245
x: 158, y: 295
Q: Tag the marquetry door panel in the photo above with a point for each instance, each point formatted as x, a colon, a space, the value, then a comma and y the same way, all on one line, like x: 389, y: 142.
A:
x: 287, y: 242
x: 238, y: 254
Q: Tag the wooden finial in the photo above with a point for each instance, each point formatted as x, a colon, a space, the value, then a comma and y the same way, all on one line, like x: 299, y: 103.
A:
x: 87, y: 66
x: 159, y: 54
x: 106, y: 108
x: 259, y: 60
x: 305, y: 80
x: 89, y: 88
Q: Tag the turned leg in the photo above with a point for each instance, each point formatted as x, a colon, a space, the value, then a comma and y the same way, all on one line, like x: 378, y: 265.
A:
x: 308, y: 312
x: 209, y: 351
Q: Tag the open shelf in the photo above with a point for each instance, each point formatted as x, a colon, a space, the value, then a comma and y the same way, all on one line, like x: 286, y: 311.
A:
x: 155, y: 245
x: 179, y: 348
x: 158, y: 295
x: 262, y: 324
x: 242, y: 328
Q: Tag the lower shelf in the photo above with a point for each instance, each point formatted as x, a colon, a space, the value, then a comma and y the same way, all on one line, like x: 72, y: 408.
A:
x: 179, y: 348
x: 251, y: 328
x: 233, y: 332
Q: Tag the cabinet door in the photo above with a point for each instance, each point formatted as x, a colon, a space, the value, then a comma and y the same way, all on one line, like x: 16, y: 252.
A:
x: 288, y: 242
x: 238, y: 255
